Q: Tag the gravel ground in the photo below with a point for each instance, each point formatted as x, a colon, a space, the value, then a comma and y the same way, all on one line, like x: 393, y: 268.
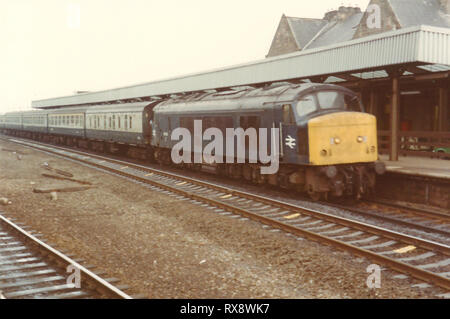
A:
x: 164, y: 247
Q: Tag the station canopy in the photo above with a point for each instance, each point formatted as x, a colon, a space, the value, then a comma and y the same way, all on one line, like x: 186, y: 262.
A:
x: 421, y: 51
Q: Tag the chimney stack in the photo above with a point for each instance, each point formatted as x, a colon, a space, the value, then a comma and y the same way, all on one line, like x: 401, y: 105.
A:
x: 343, y: 13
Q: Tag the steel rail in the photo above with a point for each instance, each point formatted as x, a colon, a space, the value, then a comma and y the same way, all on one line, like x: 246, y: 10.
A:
x: 94, y: 281
x: 418, y: 211
x: 416, y: 272
x: 398, y: 221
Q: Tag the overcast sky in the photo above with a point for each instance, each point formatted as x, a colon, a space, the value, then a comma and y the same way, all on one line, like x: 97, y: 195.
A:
x: 53, y: 48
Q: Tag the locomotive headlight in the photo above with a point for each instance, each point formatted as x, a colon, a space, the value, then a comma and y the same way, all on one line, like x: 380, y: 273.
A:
x: 337, y: 141
x: 360, y: 139
x: 324, y: 153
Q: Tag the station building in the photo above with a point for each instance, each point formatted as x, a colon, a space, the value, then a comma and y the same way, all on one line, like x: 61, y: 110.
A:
x: 410, y: 100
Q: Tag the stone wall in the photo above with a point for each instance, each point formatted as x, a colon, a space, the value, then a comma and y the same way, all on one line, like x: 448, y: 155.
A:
x: 413, y: 189
x: 445, y: 5
x: 284, y: 41
x: 388, y: 20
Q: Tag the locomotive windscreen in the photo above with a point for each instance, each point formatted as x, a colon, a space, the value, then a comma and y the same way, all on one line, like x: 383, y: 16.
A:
x: 328, y: 100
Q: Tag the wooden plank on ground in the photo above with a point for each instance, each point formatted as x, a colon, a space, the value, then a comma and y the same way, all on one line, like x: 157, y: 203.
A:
x: 61, y: 189
x: 58, y: 171
x: 66, y: 179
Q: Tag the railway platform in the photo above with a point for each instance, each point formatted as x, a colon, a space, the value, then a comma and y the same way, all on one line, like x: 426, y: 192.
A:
x: 419, y: 166
x: 418, y: 180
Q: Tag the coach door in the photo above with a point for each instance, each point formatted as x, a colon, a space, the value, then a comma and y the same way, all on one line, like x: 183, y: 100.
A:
x: 288, y: 135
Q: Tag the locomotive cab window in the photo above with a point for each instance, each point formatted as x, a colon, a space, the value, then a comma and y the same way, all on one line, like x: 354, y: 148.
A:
x: 306, y: 105
x: 328, y: 100
x: 337, y: 100
x: 353, y: 103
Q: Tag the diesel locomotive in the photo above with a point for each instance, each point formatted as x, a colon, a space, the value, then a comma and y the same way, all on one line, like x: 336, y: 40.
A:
x: 327, y: 145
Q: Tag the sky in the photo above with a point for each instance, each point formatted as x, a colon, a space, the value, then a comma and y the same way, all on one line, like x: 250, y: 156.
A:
x: 51, y: 48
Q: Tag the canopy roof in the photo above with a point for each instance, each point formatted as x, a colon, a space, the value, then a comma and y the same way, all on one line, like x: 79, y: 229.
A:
x: 419, y: 45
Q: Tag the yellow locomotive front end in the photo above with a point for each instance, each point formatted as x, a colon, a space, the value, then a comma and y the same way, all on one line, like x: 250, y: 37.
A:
x: 340, y: 143
x: 343, y: 154
x: 342, y: 138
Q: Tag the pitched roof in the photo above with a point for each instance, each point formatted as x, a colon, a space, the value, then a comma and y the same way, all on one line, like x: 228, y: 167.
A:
x: 419, y: 12
x: 314, y: 33
x: 336, y: 32
x: 305, y: 29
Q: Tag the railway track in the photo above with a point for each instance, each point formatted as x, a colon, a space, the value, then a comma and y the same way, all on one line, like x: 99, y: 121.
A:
x: 31, y: 269
x: 432, y: 223
x: 425, y: 212
x: 422, y: 259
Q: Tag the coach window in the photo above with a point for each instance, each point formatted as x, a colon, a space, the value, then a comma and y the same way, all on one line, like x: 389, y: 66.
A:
x: 104, y: 121
x: 131, y: 122
x: 114, y: 122
x: 125, y: 122
x: 118, y: 121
